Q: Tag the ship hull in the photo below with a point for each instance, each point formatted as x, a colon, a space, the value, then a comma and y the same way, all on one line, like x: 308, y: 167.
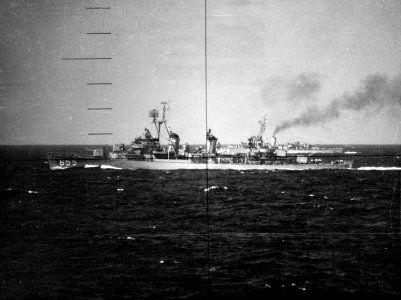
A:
x: 172, y: 164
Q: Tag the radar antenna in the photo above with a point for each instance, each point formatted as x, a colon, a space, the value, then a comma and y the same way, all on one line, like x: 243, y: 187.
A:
x: 154, y: 114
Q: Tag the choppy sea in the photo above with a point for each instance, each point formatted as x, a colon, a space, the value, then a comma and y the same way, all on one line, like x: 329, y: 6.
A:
x: 112, y: 234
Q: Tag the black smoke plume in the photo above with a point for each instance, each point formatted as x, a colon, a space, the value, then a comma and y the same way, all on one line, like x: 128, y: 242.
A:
x: 304, y: 86
x: 376, y: 92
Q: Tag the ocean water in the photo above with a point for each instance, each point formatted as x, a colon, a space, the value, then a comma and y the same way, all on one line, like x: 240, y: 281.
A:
x: 113, y: 234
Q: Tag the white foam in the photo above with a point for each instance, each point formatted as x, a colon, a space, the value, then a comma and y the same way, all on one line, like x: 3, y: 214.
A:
x: 91, y: 166
x: 214, y: 187
x: 110, y: 167
x: 379, y: 168
x: 58, y: 168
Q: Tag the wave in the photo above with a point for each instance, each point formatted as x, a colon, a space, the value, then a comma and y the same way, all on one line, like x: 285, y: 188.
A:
x: 379, y: 168
x: 109, y: 167
x: 215, y: 187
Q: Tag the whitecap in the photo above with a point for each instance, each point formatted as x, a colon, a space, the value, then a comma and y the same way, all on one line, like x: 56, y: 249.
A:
x: 211, y: 188
x: 33, y: 192
x: 215, y: 187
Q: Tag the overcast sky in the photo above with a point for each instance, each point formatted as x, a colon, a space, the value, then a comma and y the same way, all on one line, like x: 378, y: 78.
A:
x: 319, y: 71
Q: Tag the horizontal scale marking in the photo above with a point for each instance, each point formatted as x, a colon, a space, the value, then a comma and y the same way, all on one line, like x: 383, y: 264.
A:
x: 100, y: 133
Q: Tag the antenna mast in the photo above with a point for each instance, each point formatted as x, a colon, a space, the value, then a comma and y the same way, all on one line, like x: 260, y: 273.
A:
x: 154, y: 114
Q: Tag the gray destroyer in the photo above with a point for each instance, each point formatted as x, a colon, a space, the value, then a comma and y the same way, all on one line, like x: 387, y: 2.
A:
x: 145, y: 152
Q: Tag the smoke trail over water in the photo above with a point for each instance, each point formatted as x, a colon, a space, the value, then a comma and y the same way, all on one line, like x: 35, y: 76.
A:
x: 376, y: 92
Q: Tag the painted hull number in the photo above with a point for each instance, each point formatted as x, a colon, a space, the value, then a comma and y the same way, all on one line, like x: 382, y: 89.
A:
x: 67, y: 163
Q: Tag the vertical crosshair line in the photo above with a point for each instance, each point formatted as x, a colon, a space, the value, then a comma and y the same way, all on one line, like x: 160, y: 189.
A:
x: 207, y: 159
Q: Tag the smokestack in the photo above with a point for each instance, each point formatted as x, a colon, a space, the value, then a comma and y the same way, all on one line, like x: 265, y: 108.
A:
x: 273, y: 141
x: 211, y: 146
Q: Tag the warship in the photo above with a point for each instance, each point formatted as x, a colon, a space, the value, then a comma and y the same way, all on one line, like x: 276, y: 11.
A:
x: 146, y: 152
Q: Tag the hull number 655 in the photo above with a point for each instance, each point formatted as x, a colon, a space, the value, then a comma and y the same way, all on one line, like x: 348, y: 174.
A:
x: 68, y: 163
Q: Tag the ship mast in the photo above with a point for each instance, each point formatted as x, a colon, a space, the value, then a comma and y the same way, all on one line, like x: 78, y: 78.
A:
x: 164, y: 119
x: 154, y: 114
x: 158, y: 123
